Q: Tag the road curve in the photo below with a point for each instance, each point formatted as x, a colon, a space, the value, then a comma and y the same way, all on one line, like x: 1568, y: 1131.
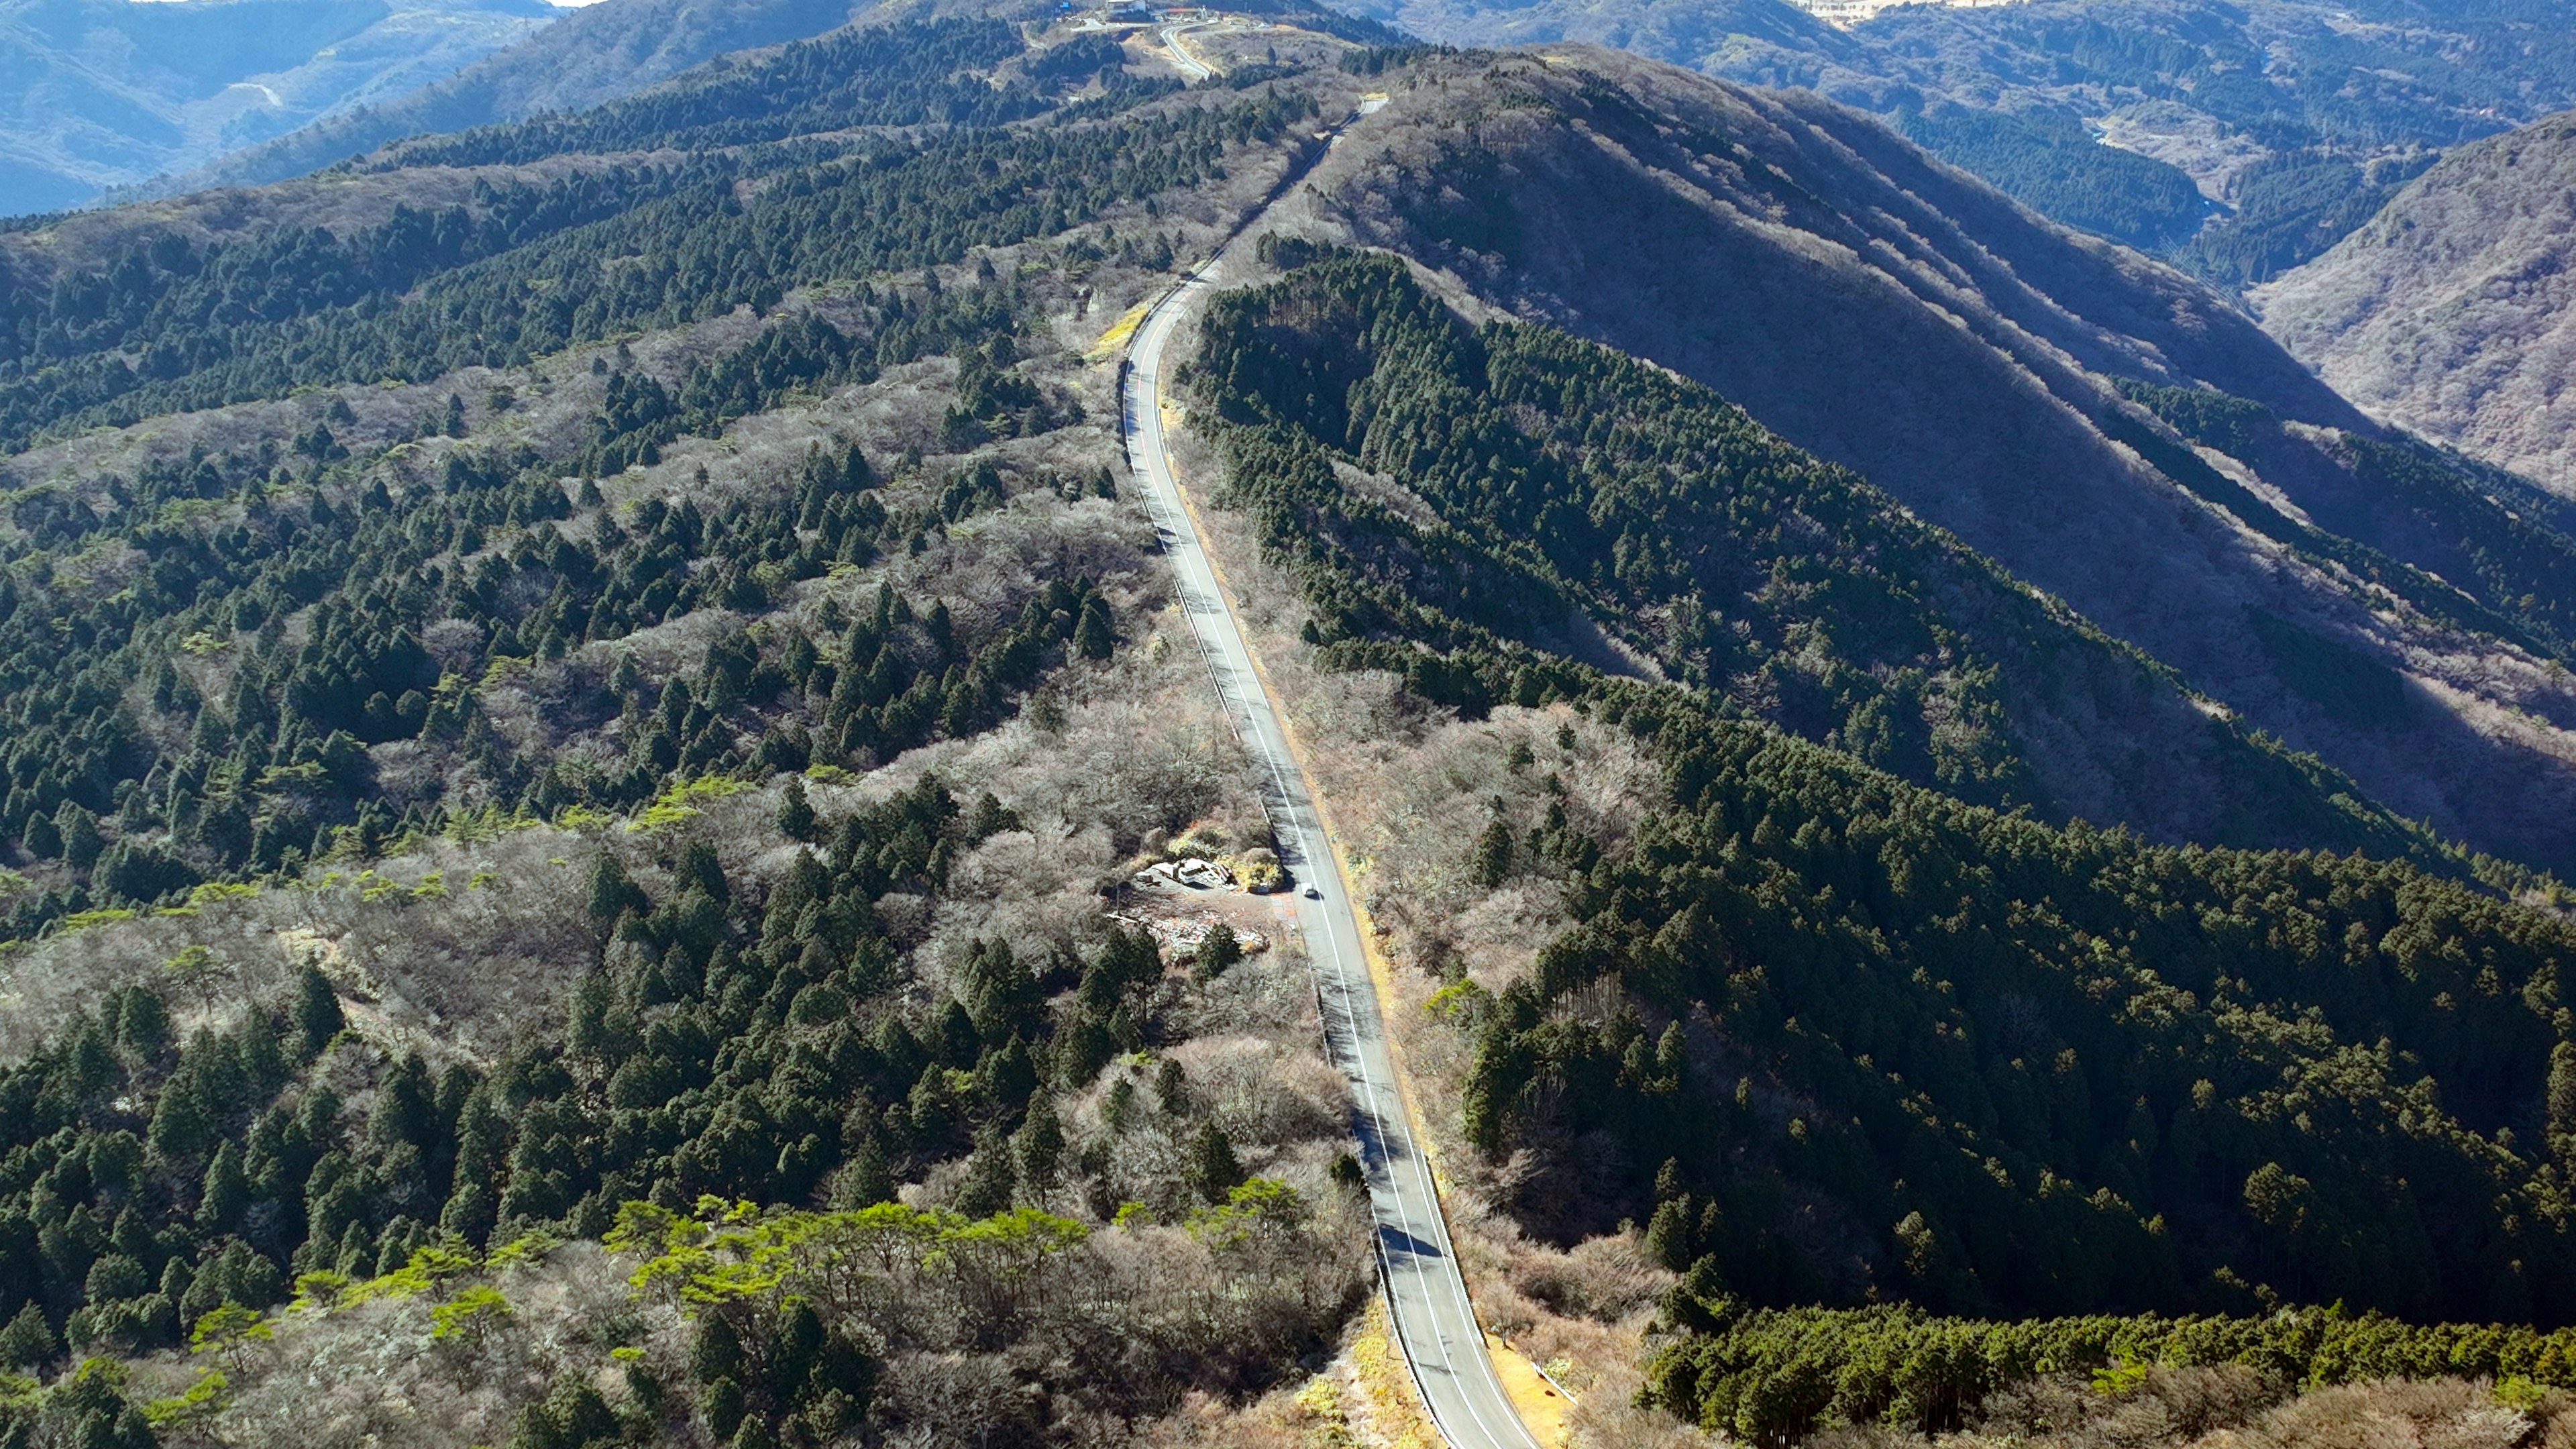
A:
x: 1191, y: 67
x: 1426, y: 1297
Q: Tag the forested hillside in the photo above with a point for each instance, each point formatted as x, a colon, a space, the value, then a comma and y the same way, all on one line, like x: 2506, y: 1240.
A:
x: 1567, y: 479
x: 514, y: 783
x: 2283, y: 124
x: 481, y: 284
x: 2447, y: 314
x: 186, y: 776
x: 580, y: 695
x: 1970, y: 361
x: 1839, y: 1038
x: 2050, y: 163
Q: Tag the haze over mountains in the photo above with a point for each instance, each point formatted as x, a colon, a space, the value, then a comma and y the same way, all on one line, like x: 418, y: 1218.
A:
x: 2290, y: 120
x: 96, y: 94
x: 591, y: 56
x: 588, y: 709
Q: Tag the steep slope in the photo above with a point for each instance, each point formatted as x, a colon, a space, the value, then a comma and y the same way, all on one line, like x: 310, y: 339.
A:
x: 2454, y: 311
x: 102, y: 93
x: 594, y: 55
x: 1561, y: 481
x: 1873, y: 308
x: 1836, y: 1037
x: 2297, y: 116
x: 1896, y: 317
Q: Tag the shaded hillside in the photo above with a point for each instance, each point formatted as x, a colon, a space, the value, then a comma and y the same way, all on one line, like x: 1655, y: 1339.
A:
x: 1896, y: 317
x: 95, y: 94
x: 1835, y: 1037
x: 594, y: 55
x: 1568, y: 480
x: 2050, y: 163
x: 2454, y: 311
x: 2298, y: 116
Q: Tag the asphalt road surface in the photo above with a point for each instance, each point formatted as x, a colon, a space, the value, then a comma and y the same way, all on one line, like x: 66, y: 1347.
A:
x: 1433, y: 1320
x: 1192, y: 68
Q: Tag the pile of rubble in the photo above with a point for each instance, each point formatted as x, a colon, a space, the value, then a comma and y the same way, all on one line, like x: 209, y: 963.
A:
x: 1180, y: 939
x: 1195, y: 873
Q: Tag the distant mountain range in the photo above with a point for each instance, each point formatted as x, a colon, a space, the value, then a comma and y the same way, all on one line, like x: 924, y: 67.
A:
x: 2242, y: 139
x: 96, y: 94
x: 2284, y: 123
x: 124, y: 99
x: 1882, y: 312
x: 2320, y: 580
x: 2251, y: 144
x: 594, y: 55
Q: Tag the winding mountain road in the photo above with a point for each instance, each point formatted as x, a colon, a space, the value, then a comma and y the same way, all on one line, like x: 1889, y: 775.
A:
x: 1191, y: 67
x: 1427, y: 1300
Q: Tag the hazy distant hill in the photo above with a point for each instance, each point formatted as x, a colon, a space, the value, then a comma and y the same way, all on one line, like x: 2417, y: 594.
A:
x: 2454, y: 311
x: 98, y: 93
x: 595, y: 55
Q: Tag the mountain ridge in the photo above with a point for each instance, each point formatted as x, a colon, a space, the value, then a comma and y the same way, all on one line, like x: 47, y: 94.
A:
x: 1813, y: 236
x: 604, y: 774
x: 2295, y: 119
x: 1952, y: 303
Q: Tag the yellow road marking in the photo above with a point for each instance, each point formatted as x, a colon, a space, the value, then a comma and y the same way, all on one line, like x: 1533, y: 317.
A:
x: 1510, y: 1366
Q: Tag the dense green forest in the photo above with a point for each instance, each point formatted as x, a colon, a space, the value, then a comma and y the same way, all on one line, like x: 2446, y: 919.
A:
x: 201, y: 657
x: 2049, y: 1072
x: 208, y: 658
x: 143, y: 800
x: 2472, y: 545
x: 727, y: 1050
x: 1865, y: 1040
x: 1774, y: 1375
x: 266, y: 765
x: 1566, y: 476
x: 2290, y: 207
x: 2052, y: 164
